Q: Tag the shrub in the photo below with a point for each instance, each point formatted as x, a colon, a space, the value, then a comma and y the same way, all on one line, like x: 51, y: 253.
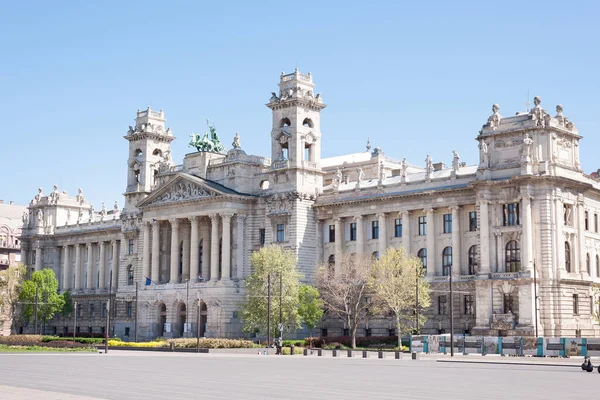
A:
x: 77, y: 339
x: 314, y: 342
x: 10, y: 340
x: 119, y: 343
x: 210, y: 343
x: 333, y: 345
x: 297, y: 343
x: 297, y: 350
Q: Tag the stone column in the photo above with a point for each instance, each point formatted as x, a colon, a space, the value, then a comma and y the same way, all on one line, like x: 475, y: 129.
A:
x: 214, y: 247
x: 360, y: 234
x: 382, y: 242
x: 240, y: 218
x: 406, y: 234
x: 89, y: 269
x: 102, y: 266
x: 77, y: 283
x: 155, y: 251
x: 38, y: 258
x: 580, y: 266
x: 206, y: 249
x: 174, y: 273
x: 115, y: 264
x: 560, y: 238
x: 484, y: 234
x: 66, y: 269
x: 456, y: 247
x: 432, y: 265
x: 185, y: 257
x: 193, y: 249
x: 527, y: 257
x: 145, y: 254
x: 226, y: 248
x: 339, y: 243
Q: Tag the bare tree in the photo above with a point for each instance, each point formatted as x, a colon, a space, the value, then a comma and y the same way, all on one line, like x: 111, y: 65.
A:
x: 343, y: 288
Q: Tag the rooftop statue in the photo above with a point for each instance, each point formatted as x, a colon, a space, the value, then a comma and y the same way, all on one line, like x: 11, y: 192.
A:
x: 209, y: 142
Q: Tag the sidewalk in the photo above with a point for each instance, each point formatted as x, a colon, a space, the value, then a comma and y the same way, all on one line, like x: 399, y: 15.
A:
x: 509, y: 360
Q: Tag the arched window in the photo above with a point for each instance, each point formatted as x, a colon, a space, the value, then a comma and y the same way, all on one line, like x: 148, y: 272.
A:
x: 264, y: 185
x: 472, y: 260
x: 422, y: 254
x: 512, y: 257
x: 446, y: 261
x: 157, y: 152
x: 284, y: 122
x: 588, y: 263
x: 138, y: 152
x: 308, y: 123
x: 567, y: 256
x: 130, y: 275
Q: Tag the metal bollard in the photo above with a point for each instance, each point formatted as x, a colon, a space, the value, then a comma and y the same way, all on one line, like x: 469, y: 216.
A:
x: 380, y: 354
x: 320, y: 352
x: 398, y: 355
x: 365, y: 354
x: 334, y: 353
x: 172, y: 346
x: 305, y: 352
x: 350, y: 353
x: 416, y: 356
x: 292, y: 348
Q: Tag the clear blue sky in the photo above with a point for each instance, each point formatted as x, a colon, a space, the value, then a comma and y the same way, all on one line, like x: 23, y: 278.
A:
x: 417, y: 77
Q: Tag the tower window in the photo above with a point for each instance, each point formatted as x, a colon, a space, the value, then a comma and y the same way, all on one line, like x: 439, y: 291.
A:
x: 308, y: 123
x: 285, y: 122
x: 157, y: 152
x: 138, y: 152
x: 284, y: 153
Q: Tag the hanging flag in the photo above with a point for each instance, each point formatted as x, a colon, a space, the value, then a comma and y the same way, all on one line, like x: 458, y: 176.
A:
x: 148, y: 281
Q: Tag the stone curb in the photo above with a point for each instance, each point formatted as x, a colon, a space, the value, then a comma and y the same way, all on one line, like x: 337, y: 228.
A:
x: 537, y: 364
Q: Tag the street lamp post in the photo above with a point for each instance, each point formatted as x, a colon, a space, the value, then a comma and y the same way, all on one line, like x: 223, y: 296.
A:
x: 198, y: 328
x: 108, y: 308
x: 416, y: 301
x: 280, y: 306
x: 74, y: 321
x: 268, y: 309
x: 451, y: 316
x: 187, y: 304
x: 136, y: 312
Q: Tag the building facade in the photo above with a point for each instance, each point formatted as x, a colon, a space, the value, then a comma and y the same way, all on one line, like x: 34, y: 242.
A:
x: 520, y: 223
x: 10, y: 250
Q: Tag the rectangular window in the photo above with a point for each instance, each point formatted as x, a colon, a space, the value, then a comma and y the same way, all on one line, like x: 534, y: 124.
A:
x: 261, y: 233
x: 130, y: 248
x: 447, y: 223
x: 511, y: 214
x: 442, y: 306
x: 324, y: 332
x: 472, y: 221
x: 331, y: 233
x: 375, y: 229
x: 586, y: 221
x: 79, y: 310
x: 127, y: 331
x: 353, y: 231
x: 398, y: 227
x: 468, y: 304
x: 92, y: 310
x: 575, y: 304
x: 90, y: 329
x: 508, y: 303
x: 423, y: 225
x: 129, y: 308
x: 103, y: 310
x: 280, y: 233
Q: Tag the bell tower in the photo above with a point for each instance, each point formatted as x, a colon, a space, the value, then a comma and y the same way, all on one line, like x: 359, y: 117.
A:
x: 296, y: 135
x: 149, y: 150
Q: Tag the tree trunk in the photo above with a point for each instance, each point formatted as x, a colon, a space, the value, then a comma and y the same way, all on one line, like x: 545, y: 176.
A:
x: 398, y: 332
x: 353, y: 336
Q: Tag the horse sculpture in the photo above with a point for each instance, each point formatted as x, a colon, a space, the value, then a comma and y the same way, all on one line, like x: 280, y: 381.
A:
x: 209, y: 142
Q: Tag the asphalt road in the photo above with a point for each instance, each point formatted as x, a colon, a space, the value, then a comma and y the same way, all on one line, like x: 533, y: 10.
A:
x: 131, y: 375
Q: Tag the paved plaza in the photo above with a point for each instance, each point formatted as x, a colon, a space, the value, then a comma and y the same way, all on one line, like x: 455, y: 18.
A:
x: 131, y: 375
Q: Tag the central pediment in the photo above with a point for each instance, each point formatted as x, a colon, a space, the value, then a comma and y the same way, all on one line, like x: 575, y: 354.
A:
x: 181, y: 188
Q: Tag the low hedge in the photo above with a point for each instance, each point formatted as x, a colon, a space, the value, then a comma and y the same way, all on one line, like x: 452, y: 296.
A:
x: 205, y: 343
x: 84, y: 340
x: 33, y: 339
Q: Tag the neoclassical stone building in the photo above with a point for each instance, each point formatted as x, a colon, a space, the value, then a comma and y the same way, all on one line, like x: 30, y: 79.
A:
x: 185, y: 233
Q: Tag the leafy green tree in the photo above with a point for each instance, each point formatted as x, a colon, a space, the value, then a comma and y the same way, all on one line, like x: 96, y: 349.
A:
x: 49, y: 301
x: 310, y: 306
x: 395, y: 280
x: 68, y: 306
x: 280, y: 265
x: 10, y: 288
